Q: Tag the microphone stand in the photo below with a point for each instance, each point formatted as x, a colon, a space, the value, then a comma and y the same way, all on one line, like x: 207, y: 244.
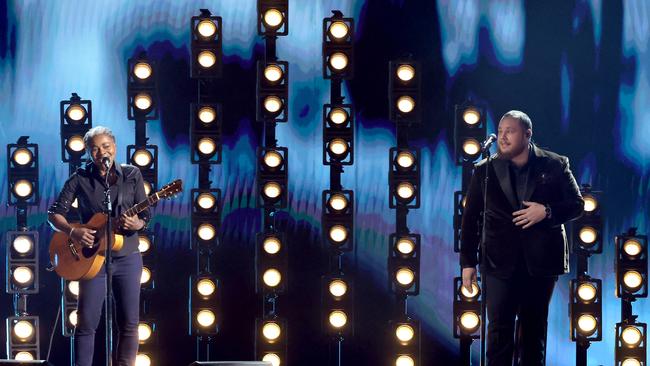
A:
x: 108, y: 210
x: 486, y: 155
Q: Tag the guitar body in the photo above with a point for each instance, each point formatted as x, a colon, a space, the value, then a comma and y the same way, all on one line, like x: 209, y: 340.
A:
x: 74, y: 261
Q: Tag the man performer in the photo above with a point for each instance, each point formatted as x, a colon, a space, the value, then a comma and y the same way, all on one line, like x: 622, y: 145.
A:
x: 126, y: 189
x: 523, y: 247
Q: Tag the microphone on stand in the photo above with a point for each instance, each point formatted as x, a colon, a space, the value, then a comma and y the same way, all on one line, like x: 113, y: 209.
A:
x: 106, y: 162
x: 488, y: 142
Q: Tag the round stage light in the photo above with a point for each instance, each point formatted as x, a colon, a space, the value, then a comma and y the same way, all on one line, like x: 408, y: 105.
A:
x: 338, y: 30
x: 22, y: 156
x: 207, y: 115
x: 338, y: 61
x: 338, y: 319
x: 405, y: 73
x: 147, y: 187
x: 471, y: 116
x: 632, y: 247
x: 76, y: 143
x: 23, y: 276
x: 73, y: 317
x: 272, y: 159
x: 405, y: 245
x: 142, y: 360
x: 272, y: 277
x: 271, y: 331
x: 405, y: 104
x: 470, y: 321
x: 338, y: 147
x: 338, y: 202
x: 338, y: 116
x: 206, y: 318
x: 588, y: 235
x: 471, y: 147
x: 468, y: 295
x: 271, y: 245
x: 405, y: 160
x: 142, y: 158
x: 631, y: 362
x: 631, y: 336
x: 206, y: 287
x: 587, y: 292
x: 24, y: 356
x: 404, y: 361
x: 272, y: 190
x: 273, y: 19
x: 338, y: 288
x: 145, y: 277
x: 587, y: 324
x: 405, y: 333
x: 207, y: 146
x: 405, y: 191
x: 206, y: 201
x: 75, y: 113
x: 23, y: 244
x: 632, y: 281
x: 23, y: 188
x: 143, y: 101
x: 405, y: 276
x: 206, y: 231
x: 338, y: 234
x: 273, y: 104
x: 206, y: 28
x: 273, y: 73
x: 206, y: 59
x: 144, y: 244
x: 73, y: 288
x: 142, y: 70
x: 273, y: 358
x: 591, y: 203
x: 23, y: 330
x: 144, y: 332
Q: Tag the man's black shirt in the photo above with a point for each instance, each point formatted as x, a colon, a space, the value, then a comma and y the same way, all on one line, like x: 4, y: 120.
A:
x: 87, y: 186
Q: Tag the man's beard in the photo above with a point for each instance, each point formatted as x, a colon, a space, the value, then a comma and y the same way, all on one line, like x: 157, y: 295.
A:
x: 513, y: 153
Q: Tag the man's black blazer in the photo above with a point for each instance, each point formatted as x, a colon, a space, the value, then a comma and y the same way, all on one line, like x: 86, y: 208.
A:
x: 544, y: 245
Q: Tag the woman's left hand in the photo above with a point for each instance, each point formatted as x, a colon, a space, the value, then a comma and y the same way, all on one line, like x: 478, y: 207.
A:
x: 133, y: 223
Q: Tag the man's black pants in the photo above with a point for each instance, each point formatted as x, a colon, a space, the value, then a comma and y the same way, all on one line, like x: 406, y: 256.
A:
x: 527, y: 298
x: 126, y: 292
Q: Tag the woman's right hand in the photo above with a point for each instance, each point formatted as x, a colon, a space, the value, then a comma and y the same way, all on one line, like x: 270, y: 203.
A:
x: 83, y: 235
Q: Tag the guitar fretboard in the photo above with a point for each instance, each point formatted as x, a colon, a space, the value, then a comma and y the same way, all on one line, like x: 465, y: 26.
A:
x: 143, y: 205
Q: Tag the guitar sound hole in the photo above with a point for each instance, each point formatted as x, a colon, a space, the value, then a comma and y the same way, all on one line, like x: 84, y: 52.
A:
x: 89, y: 252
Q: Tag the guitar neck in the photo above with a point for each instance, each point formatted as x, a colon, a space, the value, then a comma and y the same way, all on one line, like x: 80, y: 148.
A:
x: 143, y: 205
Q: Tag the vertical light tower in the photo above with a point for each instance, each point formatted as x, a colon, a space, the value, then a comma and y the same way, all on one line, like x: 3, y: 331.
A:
x: 585, y: 307
x: 76, y: 116
x: 405, y: 111
x: 470, y: 129
x: 206, y: 119
x: 143, y: 106
x: 271, y: 250
x: 631, y: 284
x: 337, y: 315
x: 22, y: 272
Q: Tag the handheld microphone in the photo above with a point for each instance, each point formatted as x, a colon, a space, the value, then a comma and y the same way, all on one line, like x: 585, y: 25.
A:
x: 488, y: 142
x: 106, y: 162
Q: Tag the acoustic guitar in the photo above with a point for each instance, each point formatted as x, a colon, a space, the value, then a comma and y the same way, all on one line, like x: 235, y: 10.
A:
x: 75, y: 261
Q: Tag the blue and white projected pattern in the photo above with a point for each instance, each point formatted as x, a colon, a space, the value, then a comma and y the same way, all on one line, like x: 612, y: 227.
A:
x: 53, y: 48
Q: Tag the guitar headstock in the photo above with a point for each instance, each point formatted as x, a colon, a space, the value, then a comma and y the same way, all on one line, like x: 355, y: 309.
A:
x: 171, y: 189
